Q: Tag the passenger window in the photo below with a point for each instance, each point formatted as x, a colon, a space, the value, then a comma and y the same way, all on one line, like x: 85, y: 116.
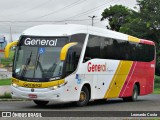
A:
x: 93, y: 48
x: 109, y: 48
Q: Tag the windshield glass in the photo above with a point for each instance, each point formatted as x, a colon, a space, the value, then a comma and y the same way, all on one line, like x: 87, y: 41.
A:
x: 38, y: 59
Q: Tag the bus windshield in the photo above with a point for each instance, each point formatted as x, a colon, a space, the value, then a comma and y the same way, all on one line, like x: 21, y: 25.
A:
x: 36, y: 60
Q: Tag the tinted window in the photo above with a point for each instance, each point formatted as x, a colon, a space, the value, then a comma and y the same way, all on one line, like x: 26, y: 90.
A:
x: 80, y: 38
x: 93, y: 48
x: 71, y: 62
x: 74, y: 53
x: 112, y: 48
x: 108, y: 48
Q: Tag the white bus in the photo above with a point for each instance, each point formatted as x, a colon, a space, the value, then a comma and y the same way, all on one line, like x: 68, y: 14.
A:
x: 80, y: 63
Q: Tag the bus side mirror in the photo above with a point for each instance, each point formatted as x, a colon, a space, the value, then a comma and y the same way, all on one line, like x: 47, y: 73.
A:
x: 65, y: 49
x: 8, y: 47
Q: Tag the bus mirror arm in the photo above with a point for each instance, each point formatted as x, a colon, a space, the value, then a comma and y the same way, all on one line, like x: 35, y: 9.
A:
x: 8, y: 47
x: 65, y: 49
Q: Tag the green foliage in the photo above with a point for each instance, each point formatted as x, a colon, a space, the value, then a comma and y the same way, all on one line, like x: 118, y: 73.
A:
x: 149, y: 16
x: 116, y: 16
x: 158, y: 62
x: 157, y: 85
x: 8, y: 61
x: 142, y: 24
x: 150, y: 12
x: 157, y: 80
x: 156, y: 91
x: 157, y: 88
x: 5, y: 82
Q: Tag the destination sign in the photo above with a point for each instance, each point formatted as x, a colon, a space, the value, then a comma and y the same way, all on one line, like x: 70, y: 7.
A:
x: 43, y: 41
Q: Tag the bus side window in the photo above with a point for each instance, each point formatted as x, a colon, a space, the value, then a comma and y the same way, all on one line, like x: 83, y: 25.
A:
x: 92, y: 49
x: 79, y: 38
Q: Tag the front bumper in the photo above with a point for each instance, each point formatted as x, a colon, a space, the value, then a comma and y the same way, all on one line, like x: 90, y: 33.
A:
x: 46, y: 94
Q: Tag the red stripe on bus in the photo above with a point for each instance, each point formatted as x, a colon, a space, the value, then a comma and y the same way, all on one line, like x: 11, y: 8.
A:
x: 145, y: 79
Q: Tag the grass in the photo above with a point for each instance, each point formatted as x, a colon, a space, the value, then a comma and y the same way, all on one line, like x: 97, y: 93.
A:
x: 156, y: 91
x: 157, y: 85
x: 6, y: 95
x: 2, y: 83
x: 8, y: 61
x: 5, y: 82
x: 157, y: 79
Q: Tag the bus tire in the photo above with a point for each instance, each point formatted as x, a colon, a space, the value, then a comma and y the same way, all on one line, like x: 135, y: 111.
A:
x: 134, y: 95
x: 40, y: 103
x: 84, y: 97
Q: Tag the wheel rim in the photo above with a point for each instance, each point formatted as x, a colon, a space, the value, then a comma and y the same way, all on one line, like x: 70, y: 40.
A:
x: 82, y: 96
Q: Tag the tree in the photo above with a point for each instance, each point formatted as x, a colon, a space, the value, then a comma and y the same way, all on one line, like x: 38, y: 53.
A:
x: 146, y: 22
x: 143, y: 24
x: 116, y: 15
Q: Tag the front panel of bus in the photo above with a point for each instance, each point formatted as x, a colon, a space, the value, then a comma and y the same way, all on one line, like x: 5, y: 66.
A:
x: 37, y: 62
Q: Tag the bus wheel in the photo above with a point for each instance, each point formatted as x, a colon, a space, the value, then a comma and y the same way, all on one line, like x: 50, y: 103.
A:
x: 84, y: 97
x: 40, y: 103
x: 134, y: 95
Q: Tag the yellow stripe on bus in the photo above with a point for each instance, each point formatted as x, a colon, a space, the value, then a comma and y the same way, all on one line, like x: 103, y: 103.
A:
x: 133, y: 39
x: 37, y: 84
x: 64, y: 50
x: 118, y: 79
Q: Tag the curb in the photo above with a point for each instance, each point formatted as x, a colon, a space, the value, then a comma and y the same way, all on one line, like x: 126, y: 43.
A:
x: 7, y: 99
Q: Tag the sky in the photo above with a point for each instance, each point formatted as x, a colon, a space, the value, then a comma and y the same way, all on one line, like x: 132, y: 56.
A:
x: 18, y: 15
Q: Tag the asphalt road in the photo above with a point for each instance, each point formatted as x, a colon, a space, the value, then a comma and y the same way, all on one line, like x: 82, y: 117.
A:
x: 144, y: 103
x: 111, y: 109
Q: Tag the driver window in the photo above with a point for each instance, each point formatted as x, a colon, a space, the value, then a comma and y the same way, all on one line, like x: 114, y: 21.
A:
x: 71, y: 62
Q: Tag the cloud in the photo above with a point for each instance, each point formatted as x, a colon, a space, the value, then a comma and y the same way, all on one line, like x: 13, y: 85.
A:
x: 53, y: 11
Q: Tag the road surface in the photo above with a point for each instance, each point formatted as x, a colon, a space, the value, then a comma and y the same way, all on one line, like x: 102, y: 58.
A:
x: 144, y: 103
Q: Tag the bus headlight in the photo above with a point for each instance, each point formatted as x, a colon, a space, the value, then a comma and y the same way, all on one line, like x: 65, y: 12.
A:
x: 58, y: 86
x: 53, y: 88
x: 14, y: 85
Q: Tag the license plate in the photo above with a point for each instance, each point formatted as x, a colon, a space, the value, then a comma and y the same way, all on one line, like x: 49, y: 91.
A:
x: 32, y: 95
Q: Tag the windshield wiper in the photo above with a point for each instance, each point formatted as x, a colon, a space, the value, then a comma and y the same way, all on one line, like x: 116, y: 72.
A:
x: 36, y: 64
x: 37, y: 61
x: 26, y: 64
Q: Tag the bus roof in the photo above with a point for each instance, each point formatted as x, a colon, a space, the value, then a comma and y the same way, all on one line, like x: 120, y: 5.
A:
x: 70, y: 29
